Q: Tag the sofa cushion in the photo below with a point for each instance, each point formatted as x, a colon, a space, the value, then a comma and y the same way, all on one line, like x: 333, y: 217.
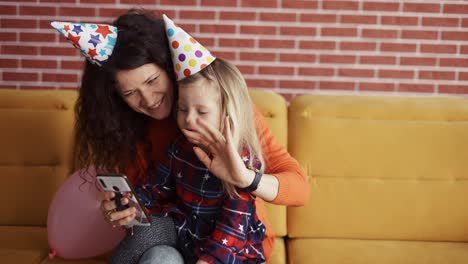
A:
x: 23, y: 237
x: 35, y: 136
x: 273, y: 107
x: 19, y: 244
x: 22, y: 256
x: 37, y: 147
x: 38, y: 99
x: 278, y: 255
x: 23, y: 244
x: 29, y: 193
x: 35, y: 159
x: 339, y: 251
x: 381, y: 167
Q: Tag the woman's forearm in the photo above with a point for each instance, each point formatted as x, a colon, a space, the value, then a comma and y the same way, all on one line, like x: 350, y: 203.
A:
x: 287, y: 182
x: 267, y: 188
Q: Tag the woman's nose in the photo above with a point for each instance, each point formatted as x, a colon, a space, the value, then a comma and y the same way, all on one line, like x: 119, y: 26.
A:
x: 146, y: 99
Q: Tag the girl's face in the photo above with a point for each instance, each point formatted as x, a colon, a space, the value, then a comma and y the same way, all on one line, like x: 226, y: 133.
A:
x: 147, y: 89
x: 200, y: 99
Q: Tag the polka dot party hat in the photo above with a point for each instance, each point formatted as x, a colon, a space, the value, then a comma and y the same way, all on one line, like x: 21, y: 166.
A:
x: 95, y: 41
x: 188, y: 55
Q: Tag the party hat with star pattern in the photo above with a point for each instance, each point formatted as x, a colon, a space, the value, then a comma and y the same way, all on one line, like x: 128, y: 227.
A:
x: 95, y: 41
x: 188, y: 55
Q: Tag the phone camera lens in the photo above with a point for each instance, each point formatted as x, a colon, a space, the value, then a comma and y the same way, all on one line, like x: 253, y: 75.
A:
x: 116, y: 188
x: 103, y: 183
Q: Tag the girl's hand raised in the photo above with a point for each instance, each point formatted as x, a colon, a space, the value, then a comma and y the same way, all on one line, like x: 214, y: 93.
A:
x: 223, y: 159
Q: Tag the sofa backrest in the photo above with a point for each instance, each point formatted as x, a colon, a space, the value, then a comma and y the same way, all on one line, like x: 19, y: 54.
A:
x: 35, y: 152
x: 37, y: 147
x: 381, y: 167
x: 273, y: 107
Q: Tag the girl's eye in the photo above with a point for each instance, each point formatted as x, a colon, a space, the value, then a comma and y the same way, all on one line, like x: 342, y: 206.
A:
x: 202, y: 113
x: 182, y: 109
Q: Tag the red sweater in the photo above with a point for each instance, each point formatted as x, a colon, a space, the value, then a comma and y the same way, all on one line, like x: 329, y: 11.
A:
x: 293, y: 184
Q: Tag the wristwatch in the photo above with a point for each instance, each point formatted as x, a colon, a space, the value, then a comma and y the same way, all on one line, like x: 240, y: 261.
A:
x: 254, y: 185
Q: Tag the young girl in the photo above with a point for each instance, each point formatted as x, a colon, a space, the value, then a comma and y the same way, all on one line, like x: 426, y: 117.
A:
x: 216, y: 222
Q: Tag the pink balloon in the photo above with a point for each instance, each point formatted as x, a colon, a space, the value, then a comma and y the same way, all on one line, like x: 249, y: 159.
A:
x: 76, y: 226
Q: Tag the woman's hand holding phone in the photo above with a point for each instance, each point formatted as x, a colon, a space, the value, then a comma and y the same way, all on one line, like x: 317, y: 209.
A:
x: 120, y: 202
x: 109, y: 209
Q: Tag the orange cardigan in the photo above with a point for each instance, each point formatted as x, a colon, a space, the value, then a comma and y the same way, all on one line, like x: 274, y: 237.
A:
x: 293, y: 185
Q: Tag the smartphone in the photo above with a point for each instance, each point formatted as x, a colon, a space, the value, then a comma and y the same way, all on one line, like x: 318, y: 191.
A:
x: 119, y: 184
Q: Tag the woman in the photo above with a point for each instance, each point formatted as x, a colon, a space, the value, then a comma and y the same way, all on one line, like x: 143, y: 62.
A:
x: 125, y: 123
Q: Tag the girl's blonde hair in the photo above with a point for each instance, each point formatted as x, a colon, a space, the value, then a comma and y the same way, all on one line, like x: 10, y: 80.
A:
x: 235, y: 103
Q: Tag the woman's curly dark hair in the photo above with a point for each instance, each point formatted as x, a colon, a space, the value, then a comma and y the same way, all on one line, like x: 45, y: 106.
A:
x: 107, y: 129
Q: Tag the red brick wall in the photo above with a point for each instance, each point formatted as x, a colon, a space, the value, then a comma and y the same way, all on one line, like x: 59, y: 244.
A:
x: 290, y: 46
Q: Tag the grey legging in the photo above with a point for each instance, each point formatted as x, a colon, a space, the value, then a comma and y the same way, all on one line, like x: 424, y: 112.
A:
x: 162, y: 254
x: 146, y: 240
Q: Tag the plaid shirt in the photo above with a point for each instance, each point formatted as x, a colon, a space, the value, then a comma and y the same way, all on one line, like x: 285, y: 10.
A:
x: 211, y: 226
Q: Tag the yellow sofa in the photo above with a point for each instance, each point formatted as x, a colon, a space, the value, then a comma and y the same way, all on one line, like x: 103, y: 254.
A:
x: 388, y: 175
